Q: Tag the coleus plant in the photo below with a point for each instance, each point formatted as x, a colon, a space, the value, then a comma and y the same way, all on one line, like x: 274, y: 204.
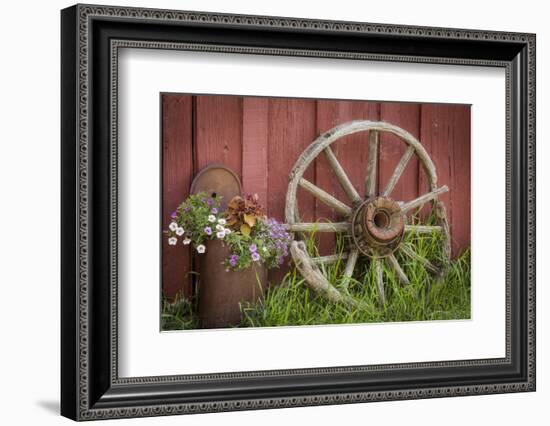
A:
x: 243, y: 213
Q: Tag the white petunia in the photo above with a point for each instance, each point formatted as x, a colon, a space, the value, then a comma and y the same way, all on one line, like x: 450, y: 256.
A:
x: 172, y: 241
x: 187, y: 241
x: 180, y: 231
x: 201, y: 248
x: 222, y: 221
x: 211, y: 218
x: 220, y: 234
x: 226, y: 231
x: 219, y: 227
x: 173, y: 226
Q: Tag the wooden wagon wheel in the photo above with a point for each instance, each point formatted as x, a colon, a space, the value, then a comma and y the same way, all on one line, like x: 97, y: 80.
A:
x: 375, y: 222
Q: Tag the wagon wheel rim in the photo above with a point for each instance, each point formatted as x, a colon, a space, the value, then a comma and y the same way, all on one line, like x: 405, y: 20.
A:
x: 376, y: 223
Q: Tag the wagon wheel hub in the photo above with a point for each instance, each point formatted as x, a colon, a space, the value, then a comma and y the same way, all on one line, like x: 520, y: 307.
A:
x: 378, y: 226
x: 378, y: 223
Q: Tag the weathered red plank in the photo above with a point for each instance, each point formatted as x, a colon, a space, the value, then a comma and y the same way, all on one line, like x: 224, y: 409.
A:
x: 461, y: 179
x: 406, y: 116
x: 291, y: 130
x: 434, y: 135
x: 262, y: 138
x: 351, y: 151
x: 177, y: 173
x: 255, y: 145
x: 445, y: 133
x: 218, y: 131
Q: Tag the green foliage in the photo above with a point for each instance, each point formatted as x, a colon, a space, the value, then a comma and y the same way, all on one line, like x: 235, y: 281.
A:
x: 257, y: 239
x: 179, y: 314
x: 267, y: 243
x: 425, y: 298
x: 196, y: 220
x: 292, y: 303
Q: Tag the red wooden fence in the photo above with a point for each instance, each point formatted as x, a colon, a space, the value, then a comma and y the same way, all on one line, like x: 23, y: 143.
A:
x: 261, y: 138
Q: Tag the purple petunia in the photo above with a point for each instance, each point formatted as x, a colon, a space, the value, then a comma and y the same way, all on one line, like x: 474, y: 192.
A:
x: 174, y: 214
x: 214, y: 210
x: 208, y: 230
x: 210, y: 201
x: 253, y: 248
x: 255, y: 257
x: 233, y: 260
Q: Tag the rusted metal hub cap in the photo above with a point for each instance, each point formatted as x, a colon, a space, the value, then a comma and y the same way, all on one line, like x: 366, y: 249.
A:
x: 378, y: 227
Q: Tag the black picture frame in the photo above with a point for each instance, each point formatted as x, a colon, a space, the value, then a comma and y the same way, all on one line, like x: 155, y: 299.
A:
x: 90, y: 386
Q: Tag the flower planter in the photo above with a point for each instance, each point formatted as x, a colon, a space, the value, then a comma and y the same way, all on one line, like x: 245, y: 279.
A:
x: 221, y: 291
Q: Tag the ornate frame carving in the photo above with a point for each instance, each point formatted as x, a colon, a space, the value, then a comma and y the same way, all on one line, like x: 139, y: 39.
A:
x: 91, y: 388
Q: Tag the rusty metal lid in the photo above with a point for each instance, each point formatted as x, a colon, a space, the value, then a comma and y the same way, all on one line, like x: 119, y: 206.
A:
x: 217, y: 181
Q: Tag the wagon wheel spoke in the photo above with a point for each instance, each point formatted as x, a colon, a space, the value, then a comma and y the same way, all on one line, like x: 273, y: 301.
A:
x: 379, y: 280
x: 328, y: 260
x: 394, y: 264
x: 319, y: 227
x: 367, y: 217
x: 398, y: 171
x: 423, y: 229
x: 412, y: 254
x: 325, y: 197
x: 370, y: 182
x: 345, y: 183
x: 423, y: 199
x: 350, y: 266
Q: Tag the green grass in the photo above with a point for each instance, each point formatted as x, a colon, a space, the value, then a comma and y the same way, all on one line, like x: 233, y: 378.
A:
x: 292, y: 303
x: 179, y: 314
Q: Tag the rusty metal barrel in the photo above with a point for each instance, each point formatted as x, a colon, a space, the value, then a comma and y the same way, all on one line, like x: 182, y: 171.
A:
x: 221, y: 291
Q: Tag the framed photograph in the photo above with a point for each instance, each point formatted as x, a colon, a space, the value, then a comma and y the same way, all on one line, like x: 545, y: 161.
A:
x: 263, y: 212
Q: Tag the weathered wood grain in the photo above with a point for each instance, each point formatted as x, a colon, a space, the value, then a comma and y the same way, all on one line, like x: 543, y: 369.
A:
x: 397, y: 173
x: 345, y: 129
x: 291, y: 126
x: 461, y: 178
x: 320, y: 227
x: 327, y: 260
x: 350, y: 267
x: 371, y: 182
x: 219, y: 132
x: 255, y: 163
x: 325, y: 197
x: 177, y: 174
x: 342, y: 177
x: 315, y: 278
x: 379, y: 277
x: 309, y: 270
x: 423, y: 229
x: 445, y: 132
x: 351, y: 152
x: 392, y: 149
x: 291, y: 131
x: 418, y: 202
x: 261, y: 138
x: 394, y: 264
